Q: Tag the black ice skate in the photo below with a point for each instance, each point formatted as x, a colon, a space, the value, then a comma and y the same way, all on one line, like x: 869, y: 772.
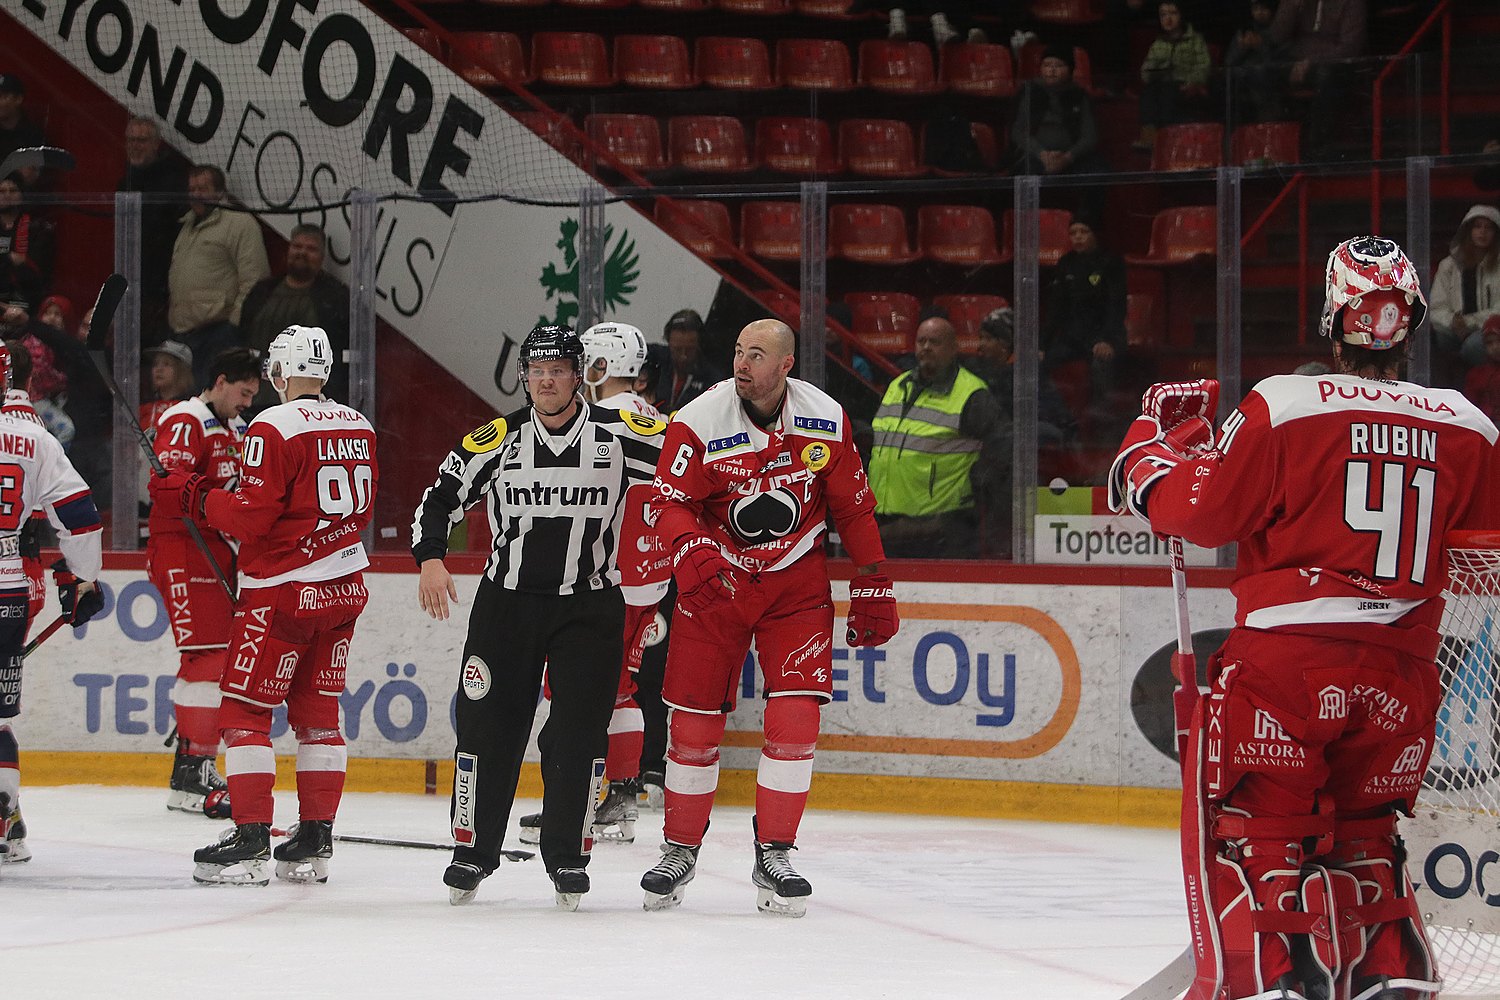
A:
x: 303, y: 856
x: 780, y: 890
x: 238, y: 858
x: 194, y: 783
x: 571, y: 884
x: 531, y: 828
x: 664, y: 884
x: 462, y: 879
x: 653, y: 790
x: 15, y: 838
x: 614, y: 818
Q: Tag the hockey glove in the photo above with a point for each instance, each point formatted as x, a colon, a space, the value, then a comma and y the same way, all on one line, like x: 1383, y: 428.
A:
x: 1173, y: 403
x: 1147, y: 454
x: 81, y: 602
x: 873, y: 618
x: 704, y: 576
x: 180, y: 493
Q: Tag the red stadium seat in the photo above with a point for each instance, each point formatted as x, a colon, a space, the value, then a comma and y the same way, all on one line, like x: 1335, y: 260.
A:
x: 772, y: 229
x: 428, y: 40
x: 570, y: 59
x: 634, y: 140
x: 710, y: 143
x: 734, y: 63
x: 1195, y: 146
x: 701, y: 226
x: 966, y: 312
x: 489, y: 58
x: 879, y: 147
x: 959, y: 234
x: 978, y: 70
x: 787, y: 308
x: 1074, y: 12
x: 758, y: 7
x: 1181, y: 235
x: 988, y: 144
x: 884, y: 321
x: 551, y: 128
x: 869, y: 234
x: 813, y: 64
x: 685, y: 6
x: 1052, y: 242
x: 1140, y: 324
x: 825, y: 8
x: 1266, y: 144
x: 897, y: 67
x: 660, y: 62
x: 517, y: 3
x: 796, y: 146
x: 594, y: 3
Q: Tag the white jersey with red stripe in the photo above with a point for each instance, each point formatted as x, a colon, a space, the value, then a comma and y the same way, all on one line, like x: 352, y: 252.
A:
x: 631, y: 401
x: 191, y: 437
x: 35, y: 474
x: 764, y: 494
x: 18, y: 404
x: 1339, y: 490
x: 307, y: 489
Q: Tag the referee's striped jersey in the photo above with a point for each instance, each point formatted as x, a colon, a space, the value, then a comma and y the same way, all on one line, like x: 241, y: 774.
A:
x: 554, y: 499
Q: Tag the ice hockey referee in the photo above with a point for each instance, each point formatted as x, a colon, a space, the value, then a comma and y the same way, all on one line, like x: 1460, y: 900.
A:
x: 554, y: 474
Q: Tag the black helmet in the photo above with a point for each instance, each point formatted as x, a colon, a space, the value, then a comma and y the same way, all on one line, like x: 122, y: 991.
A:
x: 546, y: 343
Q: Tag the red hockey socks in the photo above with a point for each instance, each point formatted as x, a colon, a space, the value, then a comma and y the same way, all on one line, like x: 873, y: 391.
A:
x: 196, y: 697
x: 627, y: 734
x: 692, y: 774
x: 249, y: 763
x: 322, y: 759
x: 786, y: 765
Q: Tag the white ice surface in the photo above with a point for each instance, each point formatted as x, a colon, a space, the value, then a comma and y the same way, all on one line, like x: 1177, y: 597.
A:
x: 905, y: 907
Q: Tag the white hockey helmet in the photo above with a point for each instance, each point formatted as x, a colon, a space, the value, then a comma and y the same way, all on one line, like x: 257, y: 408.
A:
x: 299, y: 352
x: 621, y: 346
x: 1372, y: 296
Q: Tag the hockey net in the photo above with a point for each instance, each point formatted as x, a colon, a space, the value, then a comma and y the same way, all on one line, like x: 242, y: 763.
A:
x: 1454, y: 837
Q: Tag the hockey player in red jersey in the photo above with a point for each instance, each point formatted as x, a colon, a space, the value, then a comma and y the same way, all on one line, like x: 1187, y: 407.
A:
x: 35, y: 475
x: 200, y: 435
x: 307, y: 488
x: 1320, y: 718
x: 749, y: 472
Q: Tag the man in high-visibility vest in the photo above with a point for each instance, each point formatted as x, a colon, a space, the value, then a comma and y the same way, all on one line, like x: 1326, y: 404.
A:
x: 929, y: 430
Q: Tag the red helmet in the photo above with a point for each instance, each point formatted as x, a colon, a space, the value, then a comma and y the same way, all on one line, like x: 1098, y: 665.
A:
x: 1373, y: 293
x: 5, y: 368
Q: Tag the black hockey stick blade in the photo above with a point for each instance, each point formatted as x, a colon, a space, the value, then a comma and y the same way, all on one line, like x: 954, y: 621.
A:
x: 111, y: 293
x: 37, y: 157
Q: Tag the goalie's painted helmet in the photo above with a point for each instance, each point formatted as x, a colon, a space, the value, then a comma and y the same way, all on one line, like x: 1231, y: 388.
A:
x: 620, y: 346
x: 6, y: 370
x: 548, y: 343
x: 1372, y: 296
x: 299, y: 352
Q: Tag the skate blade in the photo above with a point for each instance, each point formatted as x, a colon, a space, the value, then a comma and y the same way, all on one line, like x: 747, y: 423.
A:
x: 187, y: 802
x: 239, y: 873
x: 622, y: 832
x: 568, y: 900
x: 460, y: 897
x: 16, y: 852
x: 530, y: 835
x: 657, y: 901
x: 766, y: 901
x: 309, y: 871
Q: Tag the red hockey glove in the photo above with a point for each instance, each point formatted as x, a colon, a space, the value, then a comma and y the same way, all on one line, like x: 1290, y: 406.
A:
x: 180, y: 493
x: 873, y: 618
x: 1147, y: 454
x: 81, y: 602
x: 638, y: 619
x: 1172, y: 403
x: 704, y: 576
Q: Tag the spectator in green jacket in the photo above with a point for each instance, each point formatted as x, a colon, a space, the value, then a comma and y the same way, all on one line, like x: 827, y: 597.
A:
x: 1175, y: 73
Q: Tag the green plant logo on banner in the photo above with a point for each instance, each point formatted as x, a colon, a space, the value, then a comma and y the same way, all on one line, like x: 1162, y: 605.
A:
x: 621, y: 272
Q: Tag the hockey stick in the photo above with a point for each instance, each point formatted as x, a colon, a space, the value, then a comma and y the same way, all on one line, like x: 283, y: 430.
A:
x: 425, y: 845
x: 110, y: 294
x: 36, y: 157
x: 1168, y: 984
x: 31, y: 646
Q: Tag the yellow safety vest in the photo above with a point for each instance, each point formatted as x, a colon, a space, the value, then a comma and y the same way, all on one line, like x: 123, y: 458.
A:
x: 921, y: 460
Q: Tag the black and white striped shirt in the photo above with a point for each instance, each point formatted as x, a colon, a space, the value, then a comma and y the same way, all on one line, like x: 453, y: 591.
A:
x: 554, y: 499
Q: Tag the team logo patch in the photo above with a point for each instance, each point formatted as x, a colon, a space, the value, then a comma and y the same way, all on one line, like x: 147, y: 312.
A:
x: 642, y: 424
x: 765, y: 517
x: 726, y: 443
x: 656, y: 631
x: 476, y: 678
x: 465, y: 775
x: 816, y: 455
x: 485, y: 437
x: 816, y: 425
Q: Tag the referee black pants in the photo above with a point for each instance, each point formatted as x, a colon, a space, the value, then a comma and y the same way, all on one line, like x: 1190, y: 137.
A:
x: 578, y: 638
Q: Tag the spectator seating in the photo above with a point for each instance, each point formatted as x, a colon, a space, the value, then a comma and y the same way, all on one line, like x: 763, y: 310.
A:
x: 897, y: 67
x: 701, y: 226
x: 884, y: 322
x: 634, y: 140
x: 978, y: 70
x: 786, y: 307
x: 813, y: 64
x: 1052, y: 240
x: 570, y: 59
x: 869, y: 234
x: 1180, y: 235
x: 966, y: 312
x: 1070, y: 12
x: 1194, y: 146
x: 796, y: 146
x: 517, y: 3
x: 959, y: 234
x: 734, y: 63
x: 489, y: 58
x: 824, y: 8
x: 554, y: 132
x: 593, y: 3
x: 708, y: 143
x: 657, y: 62
x: 879, y: 147
x: 1266, y: 144
x: 759, y: 7
x: 676, y: 5
x: 772, y: 229
x: 1140, y: 323
x: 426, y: 39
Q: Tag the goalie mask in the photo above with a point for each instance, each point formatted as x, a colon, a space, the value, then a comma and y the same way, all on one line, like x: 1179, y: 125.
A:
x: 298, y: 352
x: 1373, y: 297
x: 549, y: 343
x: 620, y: 346
x: 6, y: 368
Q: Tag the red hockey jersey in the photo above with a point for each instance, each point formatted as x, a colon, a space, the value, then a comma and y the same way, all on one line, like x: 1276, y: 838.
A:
x: 306, y: 491
x: 190, y: 436
x: 764, y: 495
x: 1339, y: 490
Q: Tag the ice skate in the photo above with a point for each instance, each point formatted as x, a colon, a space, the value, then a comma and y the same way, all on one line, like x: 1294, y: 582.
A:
x: 653, y: 793
x: 15, y: 838
x: 195, y: 780
x: 462, y: 879
x: 614, y: 818
x: 664, y: 884
x: 303, y: 856
x: 571, y: 884
x: 238, y: 857
x: 780, y: 890
x: 531, y: 828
